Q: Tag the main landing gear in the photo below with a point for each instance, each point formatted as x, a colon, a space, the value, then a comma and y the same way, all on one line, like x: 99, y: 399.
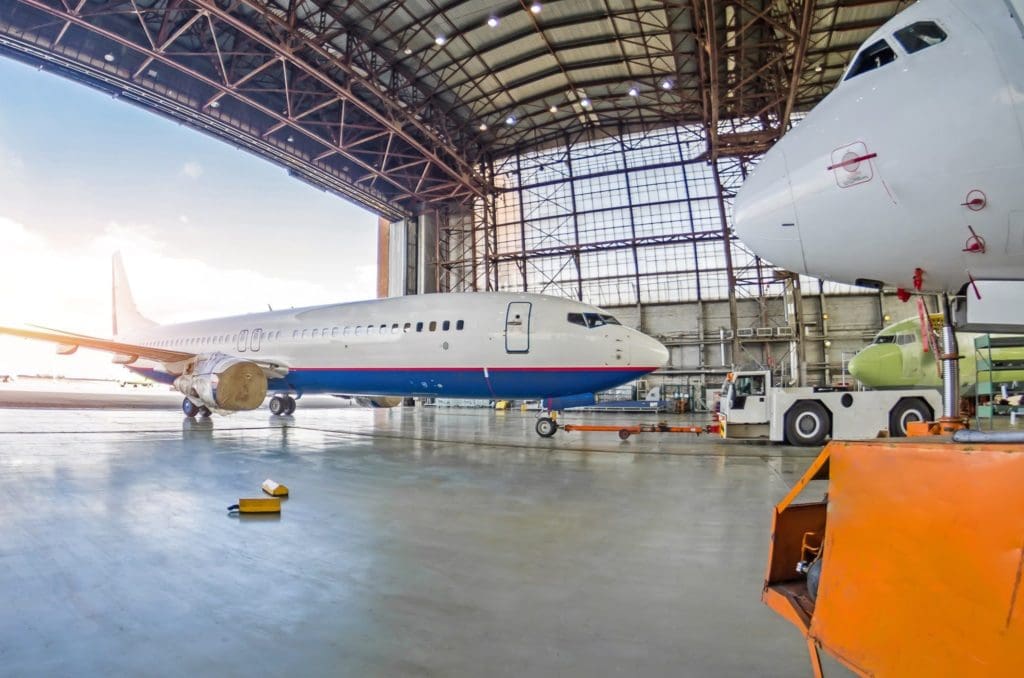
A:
x: 282, y: 405
x: 192, y: 410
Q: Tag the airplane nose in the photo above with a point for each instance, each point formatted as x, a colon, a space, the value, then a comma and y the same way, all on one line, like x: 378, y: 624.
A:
x: 876, y: 366
x: 764, y: 215
x: 649, y: 352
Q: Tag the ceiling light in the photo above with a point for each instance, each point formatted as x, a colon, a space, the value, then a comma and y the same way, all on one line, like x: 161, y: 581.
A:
x: 483, y: 127
x: 818, y: 69
x: 666, y: 84
x: 440, y: 40
x: 408, y: 51
x: 108, y: 57
x: 291, y: 139
x: 536, y: 8
x: 585, y: 102
x: 634, y: 92
x: 510, y: 120
x: 214, y: 104
x: 493, y: 21
x: 553, y: 109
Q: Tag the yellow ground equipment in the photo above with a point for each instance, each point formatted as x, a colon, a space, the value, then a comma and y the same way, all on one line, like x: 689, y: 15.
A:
x: 274, y: 489
x: 257, y: 505
x: 912, y: 564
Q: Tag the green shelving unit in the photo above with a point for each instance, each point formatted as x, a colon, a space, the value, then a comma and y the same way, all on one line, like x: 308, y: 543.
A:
x: 987, y: 384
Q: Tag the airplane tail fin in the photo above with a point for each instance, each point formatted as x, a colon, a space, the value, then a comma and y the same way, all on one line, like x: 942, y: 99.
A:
x: 126, y: 316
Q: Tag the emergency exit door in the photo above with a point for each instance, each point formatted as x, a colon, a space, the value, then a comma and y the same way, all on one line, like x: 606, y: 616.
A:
x: 517, y: 327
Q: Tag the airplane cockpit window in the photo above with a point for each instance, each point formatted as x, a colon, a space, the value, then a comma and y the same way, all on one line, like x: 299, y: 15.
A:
x: 885, y: 339
x: 919, y: 35
x: 592, y: 319
x: 873, y: 56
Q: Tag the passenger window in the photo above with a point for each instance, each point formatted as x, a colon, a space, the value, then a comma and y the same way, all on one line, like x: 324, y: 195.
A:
x: 304, y: 333
x: 433, y: 325
x: 459, y: 324
x: 446, y: 325
x: 919, y: 35
x: 419, y: 327
x: 323, y: 332
x: 359, y: 330
x: 383, y: 329
x: 295, y: 334
x: 873, y: 56
x: 406, y: 327
x: 394, y: 329
x: 345, y: 332
x: 316, y: 333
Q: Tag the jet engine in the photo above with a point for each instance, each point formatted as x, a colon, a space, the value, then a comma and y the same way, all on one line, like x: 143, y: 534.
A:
x: 378, y: 401
x: 223, y: 382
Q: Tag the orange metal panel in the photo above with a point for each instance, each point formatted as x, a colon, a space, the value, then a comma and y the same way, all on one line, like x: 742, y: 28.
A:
x: 924, y: 550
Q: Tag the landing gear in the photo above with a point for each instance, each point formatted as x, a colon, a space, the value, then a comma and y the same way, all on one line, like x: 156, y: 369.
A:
x: 190, y: 409
x: 546, y: 427
x: 282, y: 405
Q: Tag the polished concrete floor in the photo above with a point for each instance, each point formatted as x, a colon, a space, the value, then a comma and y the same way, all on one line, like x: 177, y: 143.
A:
x: 416, y: 542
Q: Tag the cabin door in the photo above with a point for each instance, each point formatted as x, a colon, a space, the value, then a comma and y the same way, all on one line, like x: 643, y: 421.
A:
x: 517, y: 327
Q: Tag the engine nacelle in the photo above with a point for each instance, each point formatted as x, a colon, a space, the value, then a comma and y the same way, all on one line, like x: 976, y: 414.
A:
x: 223, y: 382
x: 378, y: 401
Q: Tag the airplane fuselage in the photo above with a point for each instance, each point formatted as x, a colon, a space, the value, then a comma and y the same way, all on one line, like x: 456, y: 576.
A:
x: 909, y: 173
x: 474, y: 345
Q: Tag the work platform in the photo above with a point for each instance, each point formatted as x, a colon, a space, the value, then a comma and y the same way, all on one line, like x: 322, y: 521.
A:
x: 415, y: 542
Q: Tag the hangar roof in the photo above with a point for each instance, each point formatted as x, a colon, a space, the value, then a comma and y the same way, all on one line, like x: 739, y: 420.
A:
x: 401, y: 104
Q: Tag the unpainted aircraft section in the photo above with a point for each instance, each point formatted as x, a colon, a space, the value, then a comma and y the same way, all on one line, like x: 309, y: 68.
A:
x: 504, y: 478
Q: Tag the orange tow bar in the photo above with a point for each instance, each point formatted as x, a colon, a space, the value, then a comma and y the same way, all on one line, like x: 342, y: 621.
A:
x: 627, y: 430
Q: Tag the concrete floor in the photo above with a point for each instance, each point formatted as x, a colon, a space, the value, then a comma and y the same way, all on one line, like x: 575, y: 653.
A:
x: 417, y: 542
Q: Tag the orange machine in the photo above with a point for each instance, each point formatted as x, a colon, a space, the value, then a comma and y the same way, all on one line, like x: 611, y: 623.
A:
x: 918, y: 553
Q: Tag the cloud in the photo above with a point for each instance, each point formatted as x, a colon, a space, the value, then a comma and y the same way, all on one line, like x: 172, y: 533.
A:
x: 192, y: 169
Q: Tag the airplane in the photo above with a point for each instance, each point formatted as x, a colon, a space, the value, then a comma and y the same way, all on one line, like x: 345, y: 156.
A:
x: 494, y: 345
x: 898, y: 358
x: 908, y: 174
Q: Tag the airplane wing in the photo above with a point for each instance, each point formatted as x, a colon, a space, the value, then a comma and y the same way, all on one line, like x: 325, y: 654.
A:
x: 70, y: 339
x: 272, y: 370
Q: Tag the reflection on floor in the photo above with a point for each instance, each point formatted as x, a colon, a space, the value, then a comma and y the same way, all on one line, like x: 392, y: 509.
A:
x: 415, y: 542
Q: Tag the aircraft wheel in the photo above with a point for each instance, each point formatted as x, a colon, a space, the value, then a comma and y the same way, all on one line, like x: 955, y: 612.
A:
x: 290, y: 405
x: 906, y: 411
x: 204, y: 411
x: 813, y: 577
x: 807, y: 423
x: 546, y: 427
x: 189, y: 408
x: 623, y: 434
x: 278, y: 406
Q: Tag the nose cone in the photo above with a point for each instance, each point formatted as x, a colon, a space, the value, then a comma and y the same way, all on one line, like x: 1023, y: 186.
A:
x: 764, y: 216
x: 878, y: 366
x: 648, y: 352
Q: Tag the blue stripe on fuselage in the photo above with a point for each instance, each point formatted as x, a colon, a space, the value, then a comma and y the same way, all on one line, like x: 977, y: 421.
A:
x: 450, y: 383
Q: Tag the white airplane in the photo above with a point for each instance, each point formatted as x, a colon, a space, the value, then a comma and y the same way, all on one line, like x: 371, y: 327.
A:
x: 908, y: 174
x: 470, y: 345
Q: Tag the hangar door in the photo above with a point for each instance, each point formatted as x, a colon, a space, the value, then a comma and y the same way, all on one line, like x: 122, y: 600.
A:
x: 517, y: 327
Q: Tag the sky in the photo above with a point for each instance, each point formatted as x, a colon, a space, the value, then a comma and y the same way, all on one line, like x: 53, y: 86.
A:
x: 205, y: 229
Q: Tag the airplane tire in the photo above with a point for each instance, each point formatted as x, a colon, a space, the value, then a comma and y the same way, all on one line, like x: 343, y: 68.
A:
x: 204, y: 411
x: 807, y: 423
x: 813, y: 578
x: 546, y: 427
x: 623, y: 434
x: 291, y: 405
x: 278, y: 406
x: 189, y: 408
x: 906, y: 411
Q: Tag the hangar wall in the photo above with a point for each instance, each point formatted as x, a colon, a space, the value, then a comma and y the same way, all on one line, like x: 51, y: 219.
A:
x: 640, y: 223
